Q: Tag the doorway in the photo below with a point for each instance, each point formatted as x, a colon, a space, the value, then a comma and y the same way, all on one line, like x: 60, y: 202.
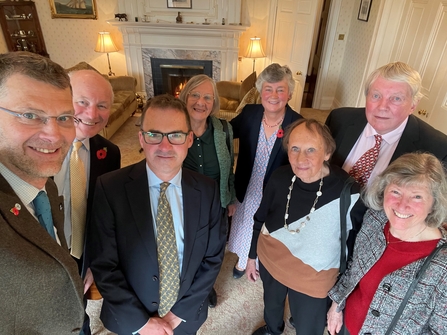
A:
x: 315, y: 58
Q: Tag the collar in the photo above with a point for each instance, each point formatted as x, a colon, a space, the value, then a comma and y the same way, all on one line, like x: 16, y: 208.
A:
x: 391, y: 137
x: 154, y: 181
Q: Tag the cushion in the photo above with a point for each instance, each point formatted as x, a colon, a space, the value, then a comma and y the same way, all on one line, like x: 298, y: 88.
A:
x: 252, y: 97
x: 247, y: 85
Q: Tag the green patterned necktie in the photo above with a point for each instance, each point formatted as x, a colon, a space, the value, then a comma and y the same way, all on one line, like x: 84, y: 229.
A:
x: 167, y: 254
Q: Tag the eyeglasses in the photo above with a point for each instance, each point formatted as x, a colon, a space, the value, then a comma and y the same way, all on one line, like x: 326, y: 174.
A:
x: 196, y: 96
x: 34, y: 119
x: 176, y: 138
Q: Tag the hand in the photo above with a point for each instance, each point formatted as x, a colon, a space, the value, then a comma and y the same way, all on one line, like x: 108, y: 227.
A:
x: 250, y: 270
x: 88, y: 280
x: 172, y: 319
x: 231, y: 209
x: 334, y: 319
x: 156, y: 326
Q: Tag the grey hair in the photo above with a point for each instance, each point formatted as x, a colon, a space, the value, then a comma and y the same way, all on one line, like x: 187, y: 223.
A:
x: 195, y: 81
x: 413, y: 169
x: 317, y: 128
x: 274, y: 73
x: 398, y: 72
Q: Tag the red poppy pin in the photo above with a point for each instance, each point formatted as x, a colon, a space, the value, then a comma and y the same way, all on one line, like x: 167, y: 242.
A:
x: 101, y: 153
x: 280, y: 132
x: 16, y: 209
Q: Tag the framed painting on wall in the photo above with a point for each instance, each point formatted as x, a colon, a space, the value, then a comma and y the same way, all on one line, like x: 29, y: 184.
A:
x: 179, y: 4
x: 365, y: 8
x: 73, y: 9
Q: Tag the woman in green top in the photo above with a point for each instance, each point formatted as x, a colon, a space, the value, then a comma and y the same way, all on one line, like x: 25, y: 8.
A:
x: 212, y: 150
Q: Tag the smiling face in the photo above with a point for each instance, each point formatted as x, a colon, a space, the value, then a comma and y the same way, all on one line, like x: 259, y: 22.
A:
x: 165, y: 159
x: 200, y: 109
x: 306, y: 153
x: 34, y: 153
x: 388, y: 104
x: 275, y: 96
x: 92, y: 101
x: 407, y: 207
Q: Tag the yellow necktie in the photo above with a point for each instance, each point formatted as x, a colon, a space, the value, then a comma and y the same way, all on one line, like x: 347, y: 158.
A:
x: 78, y: 186
x: 168, y: 263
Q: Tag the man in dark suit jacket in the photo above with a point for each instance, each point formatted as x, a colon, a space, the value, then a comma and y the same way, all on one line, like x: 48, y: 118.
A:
x: 92, y: 101
x: 392, y: 94
x: 122, y: 238
x: 40, y: 288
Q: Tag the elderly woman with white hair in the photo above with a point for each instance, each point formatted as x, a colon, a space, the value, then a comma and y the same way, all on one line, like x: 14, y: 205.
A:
x: 397, y: 281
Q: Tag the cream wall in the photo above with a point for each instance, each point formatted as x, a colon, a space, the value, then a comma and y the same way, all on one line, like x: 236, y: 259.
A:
x: 70, y: 41
x: 354, y: 58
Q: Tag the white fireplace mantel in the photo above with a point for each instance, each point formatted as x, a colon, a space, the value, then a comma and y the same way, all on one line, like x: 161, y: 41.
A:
x: 220, y: 39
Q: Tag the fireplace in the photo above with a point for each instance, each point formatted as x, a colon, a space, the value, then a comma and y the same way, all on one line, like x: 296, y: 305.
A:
x: 170, y: 75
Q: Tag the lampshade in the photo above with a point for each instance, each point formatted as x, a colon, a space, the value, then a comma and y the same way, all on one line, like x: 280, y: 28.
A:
x: 254, y: 49
x: 105, y: 43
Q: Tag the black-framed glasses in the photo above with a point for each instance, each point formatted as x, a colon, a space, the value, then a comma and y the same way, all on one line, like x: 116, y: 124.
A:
x: 207, y: 97
x: 36, y: 119
x: 175, y: 138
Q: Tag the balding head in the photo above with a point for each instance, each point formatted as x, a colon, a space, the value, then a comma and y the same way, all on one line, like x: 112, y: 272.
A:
x: 92, y: 100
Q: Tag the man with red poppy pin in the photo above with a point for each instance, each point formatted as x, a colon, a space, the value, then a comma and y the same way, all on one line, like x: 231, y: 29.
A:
x: 92, y: 101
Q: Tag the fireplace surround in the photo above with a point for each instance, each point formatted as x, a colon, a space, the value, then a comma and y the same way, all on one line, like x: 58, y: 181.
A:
x: 143, y: 41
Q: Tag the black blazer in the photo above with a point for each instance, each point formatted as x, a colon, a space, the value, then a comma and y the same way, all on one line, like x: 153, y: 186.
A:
x: 246, y: 127
x: 122, y: 247
x: 346, y: 125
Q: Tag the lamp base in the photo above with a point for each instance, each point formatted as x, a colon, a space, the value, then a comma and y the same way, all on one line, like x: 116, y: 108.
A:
x: 110, y: 68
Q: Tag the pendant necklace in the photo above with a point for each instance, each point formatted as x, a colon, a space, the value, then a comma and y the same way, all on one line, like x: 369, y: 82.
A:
x: 388, y: 237
x: 275, y: 125
x: 307, y: 219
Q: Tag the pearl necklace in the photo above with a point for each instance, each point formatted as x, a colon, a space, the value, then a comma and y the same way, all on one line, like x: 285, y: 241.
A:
x: 289, y: 196
x: 275, y: 125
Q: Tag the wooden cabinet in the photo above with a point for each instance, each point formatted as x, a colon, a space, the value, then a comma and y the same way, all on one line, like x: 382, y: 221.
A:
x: 21, y: 27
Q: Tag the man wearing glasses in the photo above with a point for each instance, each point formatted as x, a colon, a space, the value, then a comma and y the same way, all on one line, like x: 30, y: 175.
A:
x: 41, y: 291
x: 156, y: 241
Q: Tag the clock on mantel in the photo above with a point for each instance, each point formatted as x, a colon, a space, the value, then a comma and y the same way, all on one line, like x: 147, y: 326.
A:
x: 21, y: 27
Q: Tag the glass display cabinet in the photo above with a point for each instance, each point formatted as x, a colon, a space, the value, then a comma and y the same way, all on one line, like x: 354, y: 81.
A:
x: 21, y: 27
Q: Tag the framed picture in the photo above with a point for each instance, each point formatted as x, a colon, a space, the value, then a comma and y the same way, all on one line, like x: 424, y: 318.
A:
x: 365, y: 7
x: 179, y: 4
x: 73, y: 9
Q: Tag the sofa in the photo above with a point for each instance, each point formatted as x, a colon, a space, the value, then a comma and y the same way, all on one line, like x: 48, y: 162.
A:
x: 233, y: 96
x: 124, y: 103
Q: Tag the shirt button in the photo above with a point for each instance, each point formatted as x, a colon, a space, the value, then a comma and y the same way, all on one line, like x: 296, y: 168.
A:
x: 154, y: 278
x: 200, y: 155
x: 375, y: 313
x: 200, y: 165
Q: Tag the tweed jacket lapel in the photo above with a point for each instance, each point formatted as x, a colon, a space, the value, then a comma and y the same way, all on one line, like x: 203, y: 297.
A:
x: 29, y: 228
x: 137, y: 191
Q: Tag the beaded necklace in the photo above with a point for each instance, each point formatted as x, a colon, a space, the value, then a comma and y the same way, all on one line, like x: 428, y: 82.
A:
x: 275, y: 125
x: 289, y: 196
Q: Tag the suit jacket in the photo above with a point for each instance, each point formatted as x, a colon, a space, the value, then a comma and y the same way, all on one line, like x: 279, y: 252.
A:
x: 40, y: 288
x: 122, y: 247
x: 99, y: 166
x: 346, y: 125
x: 246, y: 127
